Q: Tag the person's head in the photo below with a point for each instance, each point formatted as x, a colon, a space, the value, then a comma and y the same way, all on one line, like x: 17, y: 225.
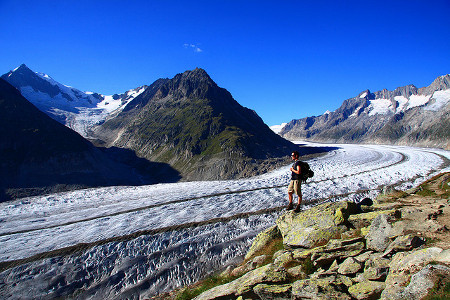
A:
x: 295, y: 155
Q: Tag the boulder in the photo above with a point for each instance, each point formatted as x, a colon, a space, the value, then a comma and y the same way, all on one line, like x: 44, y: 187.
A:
x: 443, y: 257
x: 367, y: 290
x: 297, y: 272
x: 273, y: 292
x: 349, y: 266
x: 364, y: 219
x: 337, y: 250
x: 403, y: 243
x: 283, y: 258
x: 403, y: 266
x: 378, y: 237
x: 423, y: 282
x: 315, y: 226
x: 322, y: 288
x: 250, y: 265
x: 244, y: 284
x: 262, y: 240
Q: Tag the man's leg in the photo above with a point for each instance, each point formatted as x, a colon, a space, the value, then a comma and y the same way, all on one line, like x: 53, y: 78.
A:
x: 299, y: 194
x: 290, y: 205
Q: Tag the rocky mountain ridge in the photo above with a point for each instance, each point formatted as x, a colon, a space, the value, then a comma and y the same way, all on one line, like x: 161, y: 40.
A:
x: 188, y: 122
x: 197, y: 127
x: 406, y: 116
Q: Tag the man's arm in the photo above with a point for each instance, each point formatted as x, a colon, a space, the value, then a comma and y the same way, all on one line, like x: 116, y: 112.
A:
x: 297, y: 170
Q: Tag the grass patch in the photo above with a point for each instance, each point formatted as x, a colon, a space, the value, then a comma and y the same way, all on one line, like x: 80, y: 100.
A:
x: 440, y: 291
x: 275, y: 245
x: 193, y: 291
x: 426, y: 192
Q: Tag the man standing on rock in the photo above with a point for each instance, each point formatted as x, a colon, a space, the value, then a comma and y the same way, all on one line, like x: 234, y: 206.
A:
x: 295, y: 184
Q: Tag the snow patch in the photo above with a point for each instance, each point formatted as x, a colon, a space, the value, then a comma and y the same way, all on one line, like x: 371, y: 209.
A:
x: 277, y: 128
x: 380, y: 106
x: 441, y: 98
x: 363, y: 95
x: 417, y: 100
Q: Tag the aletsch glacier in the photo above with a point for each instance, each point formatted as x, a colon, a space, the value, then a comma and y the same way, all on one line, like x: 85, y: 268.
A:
x: 152, y: 263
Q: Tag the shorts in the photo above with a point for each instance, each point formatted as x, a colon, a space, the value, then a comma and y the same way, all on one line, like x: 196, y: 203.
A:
x: 295, y: 186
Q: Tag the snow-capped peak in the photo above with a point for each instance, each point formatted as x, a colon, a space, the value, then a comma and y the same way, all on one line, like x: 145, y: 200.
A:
x: 70, y: 106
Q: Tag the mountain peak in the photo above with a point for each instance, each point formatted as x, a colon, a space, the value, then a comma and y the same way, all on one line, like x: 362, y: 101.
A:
x: 198, y: 74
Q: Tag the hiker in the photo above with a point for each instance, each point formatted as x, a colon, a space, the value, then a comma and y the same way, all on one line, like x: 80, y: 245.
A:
x: 295, y: 184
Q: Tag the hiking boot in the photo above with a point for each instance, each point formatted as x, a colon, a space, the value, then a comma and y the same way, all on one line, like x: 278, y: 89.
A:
x: 297, y: 209
x: 290, y: 206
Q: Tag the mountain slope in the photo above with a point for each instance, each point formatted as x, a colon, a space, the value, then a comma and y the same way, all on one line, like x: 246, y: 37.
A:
x: 197, y: 127
x: 39, y: 154
x: 405, y: 116
x: 69, y: 106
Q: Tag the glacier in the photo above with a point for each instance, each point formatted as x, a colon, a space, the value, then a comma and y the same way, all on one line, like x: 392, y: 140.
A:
x: 135, y: 242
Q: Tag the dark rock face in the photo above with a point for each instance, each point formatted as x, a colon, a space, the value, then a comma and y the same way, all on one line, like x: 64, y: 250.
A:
x: 39, y: 154
x: 386, y: 117
x: 197, y: 127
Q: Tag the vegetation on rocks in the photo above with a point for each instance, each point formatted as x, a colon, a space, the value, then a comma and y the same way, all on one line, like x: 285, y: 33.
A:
x: 382, y: 251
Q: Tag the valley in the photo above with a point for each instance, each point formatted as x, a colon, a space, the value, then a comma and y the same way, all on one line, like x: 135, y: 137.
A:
x: 117, y: 242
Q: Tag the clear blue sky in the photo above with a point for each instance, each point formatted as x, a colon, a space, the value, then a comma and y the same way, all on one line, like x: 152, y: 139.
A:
x: 284, y: 59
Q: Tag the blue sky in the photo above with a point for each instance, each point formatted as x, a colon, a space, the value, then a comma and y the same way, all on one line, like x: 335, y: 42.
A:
x: 284, y: 59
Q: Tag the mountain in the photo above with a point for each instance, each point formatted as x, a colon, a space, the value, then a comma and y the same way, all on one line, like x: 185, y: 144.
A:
x: 406, y: 116
x: 198, y: 128
x: 38, y: 154
x: 69, y: 106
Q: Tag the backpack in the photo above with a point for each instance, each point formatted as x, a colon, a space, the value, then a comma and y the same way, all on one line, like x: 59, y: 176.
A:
x: 306, y: 171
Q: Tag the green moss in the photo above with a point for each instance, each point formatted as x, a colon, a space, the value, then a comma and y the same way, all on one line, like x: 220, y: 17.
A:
x: 273, y: 246
x: 308, y: 266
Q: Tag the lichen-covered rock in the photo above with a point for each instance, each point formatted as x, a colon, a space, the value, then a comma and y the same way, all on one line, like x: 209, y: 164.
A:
x: 250, y: 265
x: 283, y: 258
x: 376, y: 268
x: 315, y: 226
x: 378, y: 237
x: 403, y: 266
x: 245, y: 283
x: 363, y: 257
x: 297, y: 272
x: 403, y: 243
x: 364, y: 219
x: 349, y: 266
x: 425, y: 280
x: 443, y: 257
x: 328, y: 254
x: 262, y: 240
x: 367, y: 290
x: 322, y: 288
x: 273, y: 292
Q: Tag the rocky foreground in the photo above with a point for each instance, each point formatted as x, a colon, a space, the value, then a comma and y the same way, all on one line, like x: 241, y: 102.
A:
x: 397, y: 248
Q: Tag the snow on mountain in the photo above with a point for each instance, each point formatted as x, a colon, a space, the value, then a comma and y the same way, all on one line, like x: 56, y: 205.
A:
x: 401, y: 103
x: 277, y: 128
x: 405, y: 116
x: 69, y: 106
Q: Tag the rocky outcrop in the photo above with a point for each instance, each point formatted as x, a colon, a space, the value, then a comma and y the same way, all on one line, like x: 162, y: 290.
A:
x: 382, y: 251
